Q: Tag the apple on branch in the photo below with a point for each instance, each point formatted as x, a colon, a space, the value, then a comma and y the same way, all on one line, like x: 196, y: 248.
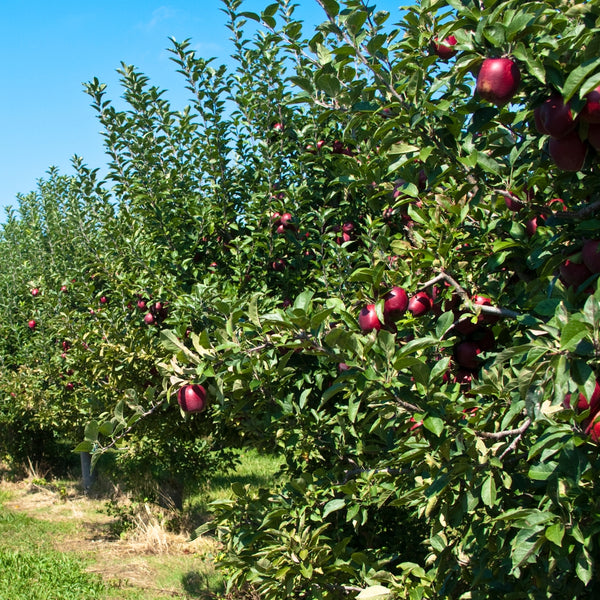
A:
x: 192, y: 398
x: 498, y: 80
x: 444, y: 49
x: 368, y: 319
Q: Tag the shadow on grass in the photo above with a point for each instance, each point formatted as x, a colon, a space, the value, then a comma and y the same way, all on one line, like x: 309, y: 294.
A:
x: 197, y: 585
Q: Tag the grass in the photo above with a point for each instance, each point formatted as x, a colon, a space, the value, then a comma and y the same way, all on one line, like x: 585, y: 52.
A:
x: 31, y: 569
x: 56, y: 544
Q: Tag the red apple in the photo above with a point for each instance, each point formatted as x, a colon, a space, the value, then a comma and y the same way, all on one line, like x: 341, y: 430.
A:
x: 103, y: 300
x: 396, y: 303
x: 192, y: 398
x: 554, y: 117
x: 568, y: 152
x: 594, y: 136
x: 591, y: 110
x: 572, y: 273
x: 63, y: 288
x: 32, y: 324
x: 149, y: 318
x: 467, y: 354
x: 594, y: 402
x: 590, y: 255
x: 531, y: 226
x: 512, y: 203
x: 445, y: 48
x: 35, y: 291
x: 538, y: 120
x: 368, y: 319
x: 594, y: 431
x: 420, y: 304
x: 484, y: 317
x: 498, y: 80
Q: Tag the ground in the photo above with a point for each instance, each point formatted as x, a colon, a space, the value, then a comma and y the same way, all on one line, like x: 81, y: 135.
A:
x: 146, y: 562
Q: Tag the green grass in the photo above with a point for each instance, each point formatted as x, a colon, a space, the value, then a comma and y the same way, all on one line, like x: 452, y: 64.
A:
x: 31, y: 568
x: 255, y: 469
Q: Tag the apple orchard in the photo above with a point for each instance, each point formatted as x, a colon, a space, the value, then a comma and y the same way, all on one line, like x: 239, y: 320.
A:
x: 373, y: 249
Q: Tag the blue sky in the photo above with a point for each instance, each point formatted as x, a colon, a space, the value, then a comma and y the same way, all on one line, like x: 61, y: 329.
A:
x: 49, y: 49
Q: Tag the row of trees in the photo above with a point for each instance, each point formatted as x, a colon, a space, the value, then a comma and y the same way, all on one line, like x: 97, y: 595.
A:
x: 444, y: 447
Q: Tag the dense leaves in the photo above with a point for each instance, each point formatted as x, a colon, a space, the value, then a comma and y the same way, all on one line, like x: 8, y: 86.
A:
x: 451, y: 450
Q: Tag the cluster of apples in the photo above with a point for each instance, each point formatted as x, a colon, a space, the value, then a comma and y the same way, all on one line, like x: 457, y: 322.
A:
x: 157, y: 311
x: 579, y: 267
x: 396, y: 303
x: 475, y: 336
x: 569, y: 137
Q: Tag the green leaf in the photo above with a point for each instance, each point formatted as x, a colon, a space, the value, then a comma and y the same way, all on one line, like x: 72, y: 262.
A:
x: 253, y: 311
x: 91, y: 431
x: 584, y: 566
x: 577, y: 77
x: 572, y: 333
x: 542, y: 471
x: 332, y: 8
x: 333, y: 505
x: 488, y: 492
x: 86, y: 446
x: 444, y: 323
x: 374, y: 592
x: 434, y: 424
x: 555, y: 533
x: 303, y: 300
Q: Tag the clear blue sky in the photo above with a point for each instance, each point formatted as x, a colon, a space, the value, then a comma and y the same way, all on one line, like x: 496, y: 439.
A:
x: 49, y: 49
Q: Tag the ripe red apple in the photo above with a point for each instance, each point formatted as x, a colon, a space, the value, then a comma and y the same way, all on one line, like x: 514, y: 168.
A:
x: 568, y: 152
x: 149, y: 318
x: 467, y: 354
x: 63, y: 288
x: 420, y: 304
x: 396, y: 303
x: 445, y: 49
x: 32, y: 324
x: 498, y: 80
x: 554, y: 117
x: 594, y: 402
x: 141, y: 304
x: 594, y: 431
x: 594, y: 136
x: 573, y: 273
x: 591, y: 111
x: 192, y: 398
x: 512, y: 203
x: 531, y: 226
x: 590, y: 255
x: 485, y: 317
x: 35, y: 291
x: 103, y: 300
x: 368, y: 319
